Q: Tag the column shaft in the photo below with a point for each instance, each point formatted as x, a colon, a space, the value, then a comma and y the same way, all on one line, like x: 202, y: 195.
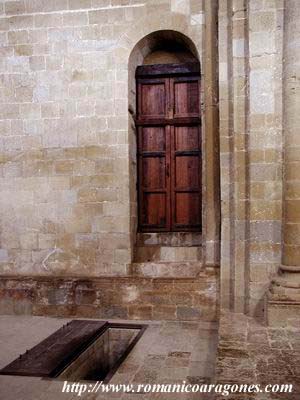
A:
x: 291, y: 115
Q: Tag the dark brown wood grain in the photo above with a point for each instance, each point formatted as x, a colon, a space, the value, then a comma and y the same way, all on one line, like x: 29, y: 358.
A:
x: 51, y: 355
x: 186, y: 69
x: 169, y: 148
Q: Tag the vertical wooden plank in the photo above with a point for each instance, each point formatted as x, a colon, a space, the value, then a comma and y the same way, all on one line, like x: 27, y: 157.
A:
x: 171, y: 98
x: 186, y: 156
x: 168, y: 177
x: 172, y: 177
x: 152, y: 165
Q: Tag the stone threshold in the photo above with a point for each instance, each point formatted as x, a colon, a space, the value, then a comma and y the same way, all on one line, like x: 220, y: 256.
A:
x: 169, y: 239
x: 172, y: 270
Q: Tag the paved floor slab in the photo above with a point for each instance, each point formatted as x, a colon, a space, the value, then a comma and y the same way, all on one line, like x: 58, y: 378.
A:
x: 251, y: 353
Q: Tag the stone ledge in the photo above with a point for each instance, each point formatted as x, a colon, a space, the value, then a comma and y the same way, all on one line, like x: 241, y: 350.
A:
x: 172, y: 270
x: 127, y: 297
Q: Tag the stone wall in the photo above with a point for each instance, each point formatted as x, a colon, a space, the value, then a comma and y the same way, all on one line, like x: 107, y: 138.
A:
x: 67, y: 202
x: 265, y: 146
x: 250, y: 73
x: 114, y: 297
x: 67, y: 141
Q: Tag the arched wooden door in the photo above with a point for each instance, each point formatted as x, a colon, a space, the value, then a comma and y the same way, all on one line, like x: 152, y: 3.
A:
x: 169, y: 147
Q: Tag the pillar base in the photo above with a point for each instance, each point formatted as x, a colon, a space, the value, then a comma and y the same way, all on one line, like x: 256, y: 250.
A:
x: 287, y: 284
x: 283, y: 299
x: 282, y: 293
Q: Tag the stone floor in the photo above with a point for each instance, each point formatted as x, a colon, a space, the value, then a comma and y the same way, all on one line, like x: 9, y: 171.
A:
x: 168, y: 352
x: 249, y: 352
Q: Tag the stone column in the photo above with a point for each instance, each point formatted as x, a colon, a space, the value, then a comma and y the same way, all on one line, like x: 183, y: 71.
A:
x: 284, y: 298
x: 291, y: 115
x: 211, y: 115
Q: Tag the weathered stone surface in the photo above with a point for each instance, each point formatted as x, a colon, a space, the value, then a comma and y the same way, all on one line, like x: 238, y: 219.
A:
x: 283, y: 299
x: 110, y: 297
x: 188, y: 313
x: 251, y: 139
x: 67, y: 145
x: 283, y: 315
x: 256, y: 358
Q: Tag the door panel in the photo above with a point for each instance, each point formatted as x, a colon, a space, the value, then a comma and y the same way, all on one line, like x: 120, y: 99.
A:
x: 154, y: 211
x: 186, y: 211
x: 153, y: 98
x: 185, y: 97
x: 153, y: 138
x: 169, y: 154
x: 154, y: 182
x: 187, y: 172
x: 186, y: 178
x: 187, y: 138
x: 154, y: 173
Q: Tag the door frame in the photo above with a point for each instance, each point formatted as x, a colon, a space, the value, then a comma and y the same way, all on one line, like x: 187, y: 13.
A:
x: 172, y: 71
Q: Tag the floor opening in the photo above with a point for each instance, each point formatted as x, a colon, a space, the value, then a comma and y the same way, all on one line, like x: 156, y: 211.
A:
x: 80, y: 350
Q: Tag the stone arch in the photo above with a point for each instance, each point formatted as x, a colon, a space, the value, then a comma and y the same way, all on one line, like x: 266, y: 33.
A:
x: 203, y: 37
x: 170, y: 42
x: 123, y: 56
x: 150, y: 24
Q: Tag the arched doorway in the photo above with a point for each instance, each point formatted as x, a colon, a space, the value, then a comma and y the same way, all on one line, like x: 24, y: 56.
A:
x: 177, y: 58
x: 169, y: 145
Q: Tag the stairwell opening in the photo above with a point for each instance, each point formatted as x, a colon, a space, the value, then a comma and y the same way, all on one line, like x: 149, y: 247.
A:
x: 80, y: 350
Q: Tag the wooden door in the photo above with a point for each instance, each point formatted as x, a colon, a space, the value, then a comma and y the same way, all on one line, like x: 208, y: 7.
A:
x: 169, y: 148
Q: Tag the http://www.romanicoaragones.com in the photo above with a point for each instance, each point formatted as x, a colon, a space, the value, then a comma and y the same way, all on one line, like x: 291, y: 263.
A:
x: 223, y: 389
